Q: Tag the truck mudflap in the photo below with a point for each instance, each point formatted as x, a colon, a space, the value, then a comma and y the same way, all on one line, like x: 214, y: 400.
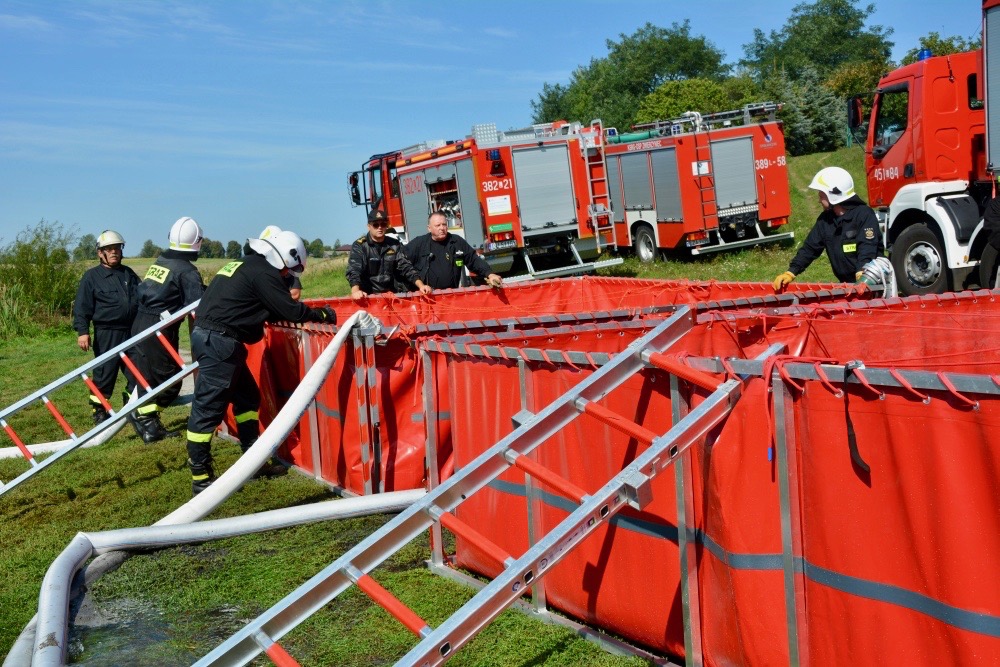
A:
x: 577, y: 267
x: 722, y: 244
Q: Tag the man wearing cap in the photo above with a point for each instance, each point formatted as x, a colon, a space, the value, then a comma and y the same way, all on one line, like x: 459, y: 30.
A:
x: 441, y: 257
x: 376, y: 262
x: 106, y: 297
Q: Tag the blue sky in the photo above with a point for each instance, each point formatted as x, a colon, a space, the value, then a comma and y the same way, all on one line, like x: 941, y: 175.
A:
x: 130, y: 114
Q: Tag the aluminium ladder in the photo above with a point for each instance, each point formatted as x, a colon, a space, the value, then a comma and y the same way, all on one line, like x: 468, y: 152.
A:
x: 631, y: 487
x: 81, y: 373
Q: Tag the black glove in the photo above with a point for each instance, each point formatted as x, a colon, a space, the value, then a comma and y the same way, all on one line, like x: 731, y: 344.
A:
x: 326, y: 315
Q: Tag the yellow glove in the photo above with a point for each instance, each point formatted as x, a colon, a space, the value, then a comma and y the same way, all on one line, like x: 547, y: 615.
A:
x: 781, y: 281
x: 857, y: 276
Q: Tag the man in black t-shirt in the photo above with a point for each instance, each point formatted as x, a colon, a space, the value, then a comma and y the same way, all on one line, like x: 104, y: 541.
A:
x: 439, y: 256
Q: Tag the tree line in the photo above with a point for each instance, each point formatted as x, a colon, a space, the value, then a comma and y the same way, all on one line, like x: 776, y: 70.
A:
x: 86, y: 248
x: 824, y: 53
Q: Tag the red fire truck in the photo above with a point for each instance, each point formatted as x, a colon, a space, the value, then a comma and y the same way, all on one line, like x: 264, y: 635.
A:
x: 556, y: 195
x: 929, y: 164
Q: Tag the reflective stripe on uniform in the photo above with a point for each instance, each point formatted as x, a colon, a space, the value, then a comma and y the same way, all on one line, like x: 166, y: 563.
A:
x: 147, y: 409
x: 199, y: 437
x: 246, y: 416
x: 198, y: 478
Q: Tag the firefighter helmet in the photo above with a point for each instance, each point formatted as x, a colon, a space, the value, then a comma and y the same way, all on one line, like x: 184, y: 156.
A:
x: 835, y: 182
x: 185, y: 235
x: 109, y: 237
x: 269, y: 231
x: 283, y: 250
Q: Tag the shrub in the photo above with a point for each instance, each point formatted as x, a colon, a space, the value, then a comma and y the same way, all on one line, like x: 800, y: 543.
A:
x: 38, y: 277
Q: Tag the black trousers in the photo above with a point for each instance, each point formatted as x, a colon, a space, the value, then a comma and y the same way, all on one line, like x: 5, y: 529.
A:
x: 153, y: 360
x: 106, y: 374
x: 223, y: 378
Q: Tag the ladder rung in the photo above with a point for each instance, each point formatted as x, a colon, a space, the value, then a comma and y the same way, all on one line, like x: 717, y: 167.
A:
x: 672, y: 365
x: 96, y: 392
x: 59, y: 418
x: 135, y: 371
x: 465, y: 531
x: 17, y: 441
x: 170, y: 349
x: 278, y: 655
x: 389, y: 602
x: 620, y: 423
x: 546, y: 476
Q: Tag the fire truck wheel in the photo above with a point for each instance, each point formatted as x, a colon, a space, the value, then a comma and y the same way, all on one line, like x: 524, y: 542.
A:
x: 645, y: 244
x: 919, y: 261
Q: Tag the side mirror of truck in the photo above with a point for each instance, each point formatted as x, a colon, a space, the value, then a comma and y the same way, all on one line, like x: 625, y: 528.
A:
x: 856, y: 121
x: 352, y: 183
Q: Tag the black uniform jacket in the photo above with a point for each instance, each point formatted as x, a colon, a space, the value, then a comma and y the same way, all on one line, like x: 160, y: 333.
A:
x: 171, y: 283
x: 105, y: 297
x: 246, y: 293
x: 375, y: 267
x: 458, y: 253
x: 850, y: 241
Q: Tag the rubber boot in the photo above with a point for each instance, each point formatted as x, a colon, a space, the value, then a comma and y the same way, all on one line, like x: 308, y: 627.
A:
x: 100, y: 415
x: 152, y: 429
x: 133, y: 421
x: 201, y: 477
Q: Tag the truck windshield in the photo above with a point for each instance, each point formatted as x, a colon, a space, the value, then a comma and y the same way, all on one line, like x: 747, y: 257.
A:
x: 891, y: 120
x: 376, y: 183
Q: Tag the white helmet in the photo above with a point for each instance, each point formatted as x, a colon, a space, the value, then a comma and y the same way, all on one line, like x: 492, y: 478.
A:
x: 284, y: 250
x: 835, y: 182
x: 269, y: 231
x: 185, y: 235
x: 109, y: 237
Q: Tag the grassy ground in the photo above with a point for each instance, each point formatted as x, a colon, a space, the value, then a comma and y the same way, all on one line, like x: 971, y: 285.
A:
x: 194, y: 597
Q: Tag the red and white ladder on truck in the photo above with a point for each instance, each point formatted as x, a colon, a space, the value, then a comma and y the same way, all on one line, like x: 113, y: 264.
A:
x: 75, y: 441
x: 631, y: 486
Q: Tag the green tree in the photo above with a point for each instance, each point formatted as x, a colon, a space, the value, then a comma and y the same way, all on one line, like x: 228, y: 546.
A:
x: 85, y: 249
x: 860, y: 77
x: 150, y: 249
x: 812, y: 114
x: 315, y: 248
x: 210, y: 248
x: 673, y: 98
x: 823, y: 35
x: 611, y: 88
x: 234, y: 250
x: 941, y: 46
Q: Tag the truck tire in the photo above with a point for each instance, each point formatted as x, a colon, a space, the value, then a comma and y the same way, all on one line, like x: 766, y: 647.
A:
x: 988, y: 267
x: 645, y: 244
x: 919, y: 261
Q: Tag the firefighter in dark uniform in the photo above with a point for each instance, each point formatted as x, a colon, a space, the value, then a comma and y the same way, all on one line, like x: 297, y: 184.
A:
x: 106, y: 297
x: 171, y: 283
x: 847, y: 230
x: 376, y: 262
x: 440, y: 257
x: 244, y: 294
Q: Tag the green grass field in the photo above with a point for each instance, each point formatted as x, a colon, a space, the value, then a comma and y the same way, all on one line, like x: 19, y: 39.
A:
x: 193, y: 597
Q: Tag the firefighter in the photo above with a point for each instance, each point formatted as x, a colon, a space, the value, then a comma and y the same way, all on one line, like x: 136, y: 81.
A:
x: 171, y: 283
x: 106, y: 297
x: 847, y: 230
x: 293, y: 282
x: 377, y: 262
x: 439, y: 256
x: 243, y: 295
